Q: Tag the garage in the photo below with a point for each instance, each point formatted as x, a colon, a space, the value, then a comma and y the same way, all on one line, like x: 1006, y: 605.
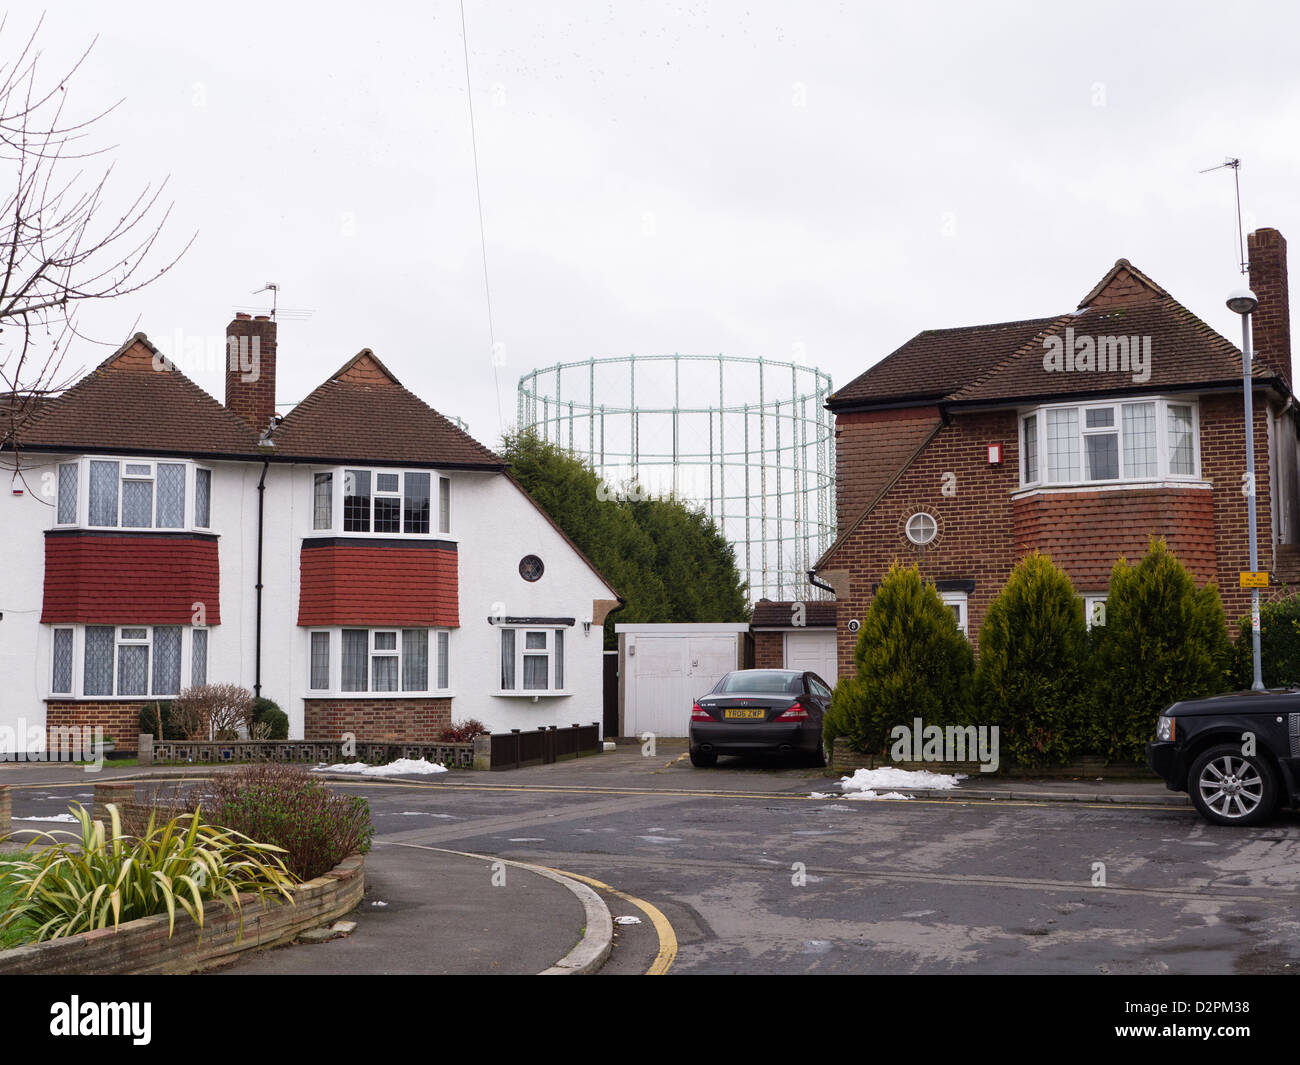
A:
x: 663, y: 669
x: 796, y: 635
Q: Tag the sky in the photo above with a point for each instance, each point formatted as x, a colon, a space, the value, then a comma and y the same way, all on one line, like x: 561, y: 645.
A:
x: 815, y: 181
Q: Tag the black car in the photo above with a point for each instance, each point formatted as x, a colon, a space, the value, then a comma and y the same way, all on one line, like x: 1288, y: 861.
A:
x: 753, y: 711
x: 1237, y: 755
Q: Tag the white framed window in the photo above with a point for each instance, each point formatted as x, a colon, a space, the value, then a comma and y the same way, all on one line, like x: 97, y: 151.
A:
x: 389, y: 661
x: 1094, y: 610
x: 61, y: 680
x: 1110, y: 442
x: 956, y: 602
x: 921, y: 528
x: 381, y: 502
x: 127, y: 661
x: 532, y: 660
x: 134, y: 494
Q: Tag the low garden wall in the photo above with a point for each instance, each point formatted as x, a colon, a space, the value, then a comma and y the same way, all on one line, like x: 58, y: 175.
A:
x: 143, y: 946
x: 315, y: 752
x: 846, y: 761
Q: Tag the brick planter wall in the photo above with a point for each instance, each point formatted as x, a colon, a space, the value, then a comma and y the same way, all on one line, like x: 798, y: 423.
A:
x: 143, y: 946
x: 398, y: 720
x: 119, y: 720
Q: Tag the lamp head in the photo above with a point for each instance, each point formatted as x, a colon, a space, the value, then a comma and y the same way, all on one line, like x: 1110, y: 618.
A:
x: 1242, y: 301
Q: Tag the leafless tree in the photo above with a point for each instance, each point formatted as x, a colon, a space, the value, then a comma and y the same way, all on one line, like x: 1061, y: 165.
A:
x: 62, y: 240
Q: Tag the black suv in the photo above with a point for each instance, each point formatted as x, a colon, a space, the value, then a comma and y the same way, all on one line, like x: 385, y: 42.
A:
x: 1237, y: 755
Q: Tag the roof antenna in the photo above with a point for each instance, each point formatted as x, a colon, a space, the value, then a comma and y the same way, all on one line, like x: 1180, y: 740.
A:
x: 1235, y: 166
x: 275, y: 295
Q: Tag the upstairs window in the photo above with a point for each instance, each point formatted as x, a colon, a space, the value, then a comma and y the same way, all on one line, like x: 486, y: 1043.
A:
x: 384, y: 502
x: 135, y: 494
x: 1101, y: 443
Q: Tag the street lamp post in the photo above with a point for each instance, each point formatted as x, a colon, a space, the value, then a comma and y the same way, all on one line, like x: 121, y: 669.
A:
x: 1243, y: 302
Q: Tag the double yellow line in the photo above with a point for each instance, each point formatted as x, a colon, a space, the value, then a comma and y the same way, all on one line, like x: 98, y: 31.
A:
x: 663, y: 929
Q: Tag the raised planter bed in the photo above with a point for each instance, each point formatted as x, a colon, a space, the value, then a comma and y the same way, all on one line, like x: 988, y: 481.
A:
x: 143, y: 946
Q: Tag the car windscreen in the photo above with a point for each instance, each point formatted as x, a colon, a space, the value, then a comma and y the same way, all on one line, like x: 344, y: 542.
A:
x: 762, y: 682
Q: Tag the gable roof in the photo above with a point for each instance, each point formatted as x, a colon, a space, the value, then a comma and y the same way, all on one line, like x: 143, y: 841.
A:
x: 987, y: 364
x: 137, y: 401
x: 934, y: 364
x: 362, y: 413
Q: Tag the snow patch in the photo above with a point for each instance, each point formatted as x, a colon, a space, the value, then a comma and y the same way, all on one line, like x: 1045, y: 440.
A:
x: 888, y: 777
x: 402, y: 767
x: 60, y: 818
x: 867, y: 796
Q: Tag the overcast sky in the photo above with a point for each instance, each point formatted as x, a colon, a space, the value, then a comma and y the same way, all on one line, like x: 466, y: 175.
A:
x: 818, y: 179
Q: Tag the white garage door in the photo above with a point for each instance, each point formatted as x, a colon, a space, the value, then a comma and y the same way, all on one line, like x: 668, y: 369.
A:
x: 668, y: 673
x: 813, y: 651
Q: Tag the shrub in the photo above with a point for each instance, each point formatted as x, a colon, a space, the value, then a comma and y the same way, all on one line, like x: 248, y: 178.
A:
x: 1032, y: 647
x: 102, y: 876
x: 463, y: 731
x: 213, y: 711
x: 159, y: 720
x: 912, y: 662
x: 1164, y: 640
x: 1279, y: 645
x: 286, y: 806
x: 269, y: 721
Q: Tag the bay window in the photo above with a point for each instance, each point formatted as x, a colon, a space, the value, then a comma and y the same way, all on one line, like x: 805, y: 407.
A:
x: 126, y: 661
x: 382, y: 502
x: 378, y: 661
x: 134, y: 494
x: 1109, y: 442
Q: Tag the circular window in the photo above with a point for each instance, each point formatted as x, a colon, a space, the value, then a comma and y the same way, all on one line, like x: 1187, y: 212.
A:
x: 921, y: 528
x: 531, y: 568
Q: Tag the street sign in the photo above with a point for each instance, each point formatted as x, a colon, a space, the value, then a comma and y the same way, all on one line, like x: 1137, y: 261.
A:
x: 1254, y: 580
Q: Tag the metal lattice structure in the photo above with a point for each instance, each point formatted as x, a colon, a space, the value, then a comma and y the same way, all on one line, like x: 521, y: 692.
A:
x: 747, y: 440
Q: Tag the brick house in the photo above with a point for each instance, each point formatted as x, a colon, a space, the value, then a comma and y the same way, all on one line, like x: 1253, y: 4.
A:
x: 362, y: 561
x: 1080, y: 435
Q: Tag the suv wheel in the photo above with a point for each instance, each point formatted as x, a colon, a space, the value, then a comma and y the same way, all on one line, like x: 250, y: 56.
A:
x: 1231, y: 788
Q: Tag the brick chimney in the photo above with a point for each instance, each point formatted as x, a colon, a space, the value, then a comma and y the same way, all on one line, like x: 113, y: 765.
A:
x: 1271, y: 322
x: 250, y: 369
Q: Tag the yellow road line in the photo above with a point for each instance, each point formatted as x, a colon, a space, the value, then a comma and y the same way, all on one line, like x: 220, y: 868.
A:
x: 663, y: 928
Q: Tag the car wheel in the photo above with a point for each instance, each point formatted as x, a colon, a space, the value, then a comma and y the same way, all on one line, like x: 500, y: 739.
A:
x: 1231, y: 788
x: 703, y: 760
x: 818, y: 757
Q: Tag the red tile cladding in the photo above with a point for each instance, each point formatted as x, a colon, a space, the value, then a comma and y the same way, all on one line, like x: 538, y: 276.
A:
x: 378, y: 582
x: 131, y: 578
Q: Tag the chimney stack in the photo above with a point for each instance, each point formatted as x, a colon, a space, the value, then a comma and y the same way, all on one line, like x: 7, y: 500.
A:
x: 250, y: 369
x: 1271, y: 322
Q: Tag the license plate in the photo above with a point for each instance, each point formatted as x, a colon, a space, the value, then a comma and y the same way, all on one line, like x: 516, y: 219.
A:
x: 744, y: 715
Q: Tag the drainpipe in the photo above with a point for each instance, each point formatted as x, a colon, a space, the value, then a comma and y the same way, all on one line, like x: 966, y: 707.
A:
x: 812, y: 579
x: 257, y: 652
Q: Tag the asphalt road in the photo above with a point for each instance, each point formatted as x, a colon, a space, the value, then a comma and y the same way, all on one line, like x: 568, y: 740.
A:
x: 754, y: 876
x: 763, y: 879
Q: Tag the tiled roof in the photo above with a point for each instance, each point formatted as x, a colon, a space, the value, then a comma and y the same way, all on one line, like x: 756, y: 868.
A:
x: 135, y: 400
x: 1184, y: 352
x: 769, y: 614
x: 363, y: 414
x: 936, y: 363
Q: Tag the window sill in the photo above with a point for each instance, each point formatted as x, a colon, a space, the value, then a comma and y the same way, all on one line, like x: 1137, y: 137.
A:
x: 1110, y: 486
x: 109, y: 698
x: 531, y: 694
x: 436, y: 694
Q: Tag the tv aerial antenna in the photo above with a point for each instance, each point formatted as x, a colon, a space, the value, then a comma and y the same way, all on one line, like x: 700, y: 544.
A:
x: 1235, y: 166
x: 295, y: 314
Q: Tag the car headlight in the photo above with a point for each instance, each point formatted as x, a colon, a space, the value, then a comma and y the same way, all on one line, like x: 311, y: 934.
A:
x: 1165, y: 729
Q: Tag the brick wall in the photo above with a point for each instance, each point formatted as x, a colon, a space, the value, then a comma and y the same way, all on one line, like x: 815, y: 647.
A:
x: 119, y: 720
x: 769, y: 650
x: 982, y: 532
x: 401, y: 720
x: 870, y: 447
